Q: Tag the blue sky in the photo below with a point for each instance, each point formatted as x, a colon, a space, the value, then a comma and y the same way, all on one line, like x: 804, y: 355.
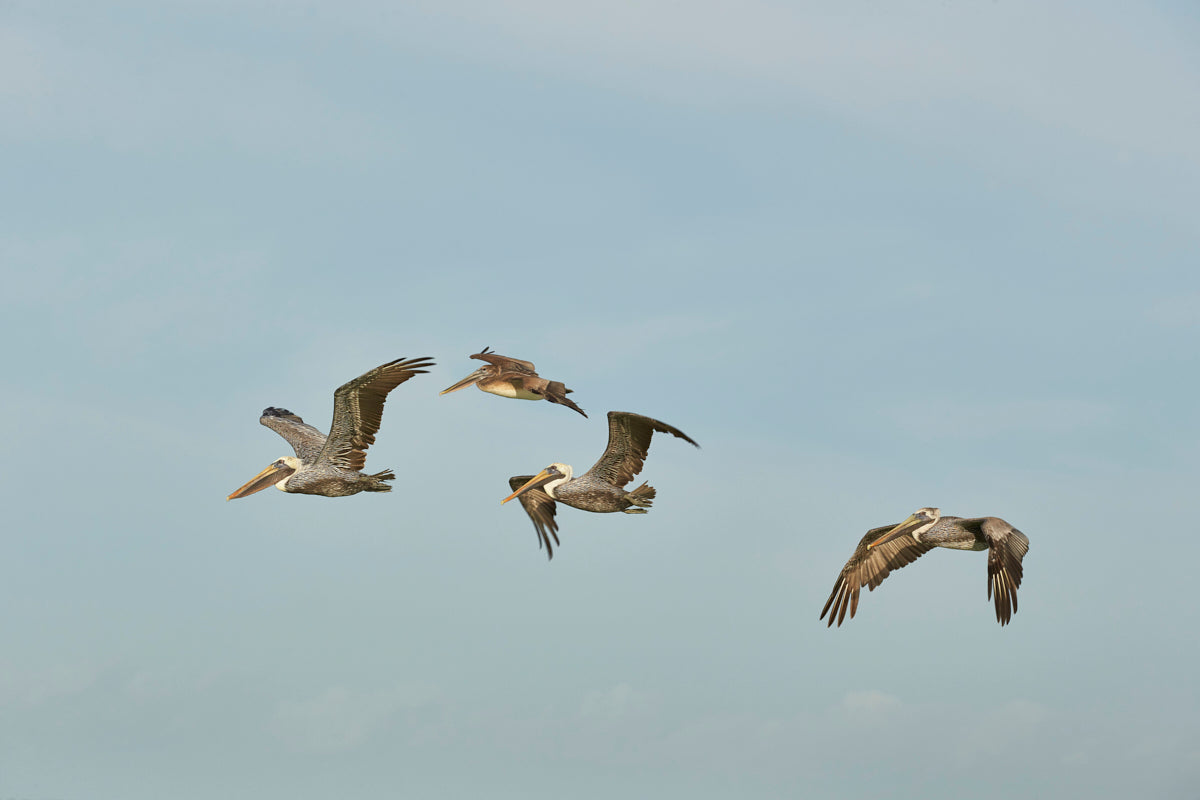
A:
x: 871, y: 258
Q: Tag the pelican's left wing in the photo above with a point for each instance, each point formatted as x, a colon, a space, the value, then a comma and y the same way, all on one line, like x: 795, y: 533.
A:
x: 540, y: 507
x: 1006, y: 547
x: 306, y: 440
x: 358, y: 411
x: 628, y: 442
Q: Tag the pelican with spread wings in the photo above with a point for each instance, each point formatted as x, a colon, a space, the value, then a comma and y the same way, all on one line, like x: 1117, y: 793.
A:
x: 332, y: 465
x: 894, y: 546
x: 600, y: 488
x: 510, y: 377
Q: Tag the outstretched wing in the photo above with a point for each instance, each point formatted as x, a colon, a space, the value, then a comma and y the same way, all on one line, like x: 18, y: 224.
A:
x: 540, y: 507
x: 869, y: 568
x: 504, y: 363
x: 1006, y: 547
x: 628, y: 441
x: 306, y: 440
x: 358, y: 410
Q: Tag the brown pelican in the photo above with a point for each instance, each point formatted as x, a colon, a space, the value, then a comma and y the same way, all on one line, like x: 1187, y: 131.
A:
x: 509, y: 377
x: 331, y: 466
x: 598, y: 489
x: 894, y: 546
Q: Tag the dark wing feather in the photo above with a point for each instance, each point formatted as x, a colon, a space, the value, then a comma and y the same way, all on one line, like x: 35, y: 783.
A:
x: 506, y: 364
x: 540, y: 507
x: 1006, y: 547
x: 628, y: 441
x: 306, y: 440
x: 869, y: 568
x: 554, y: 391
x: 358, y: 411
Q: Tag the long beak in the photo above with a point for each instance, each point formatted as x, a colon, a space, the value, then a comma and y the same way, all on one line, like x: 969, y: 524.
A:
x: 465, y: 382
x: 906, y: 527
x: 263, y: 480
x: 543, y: 477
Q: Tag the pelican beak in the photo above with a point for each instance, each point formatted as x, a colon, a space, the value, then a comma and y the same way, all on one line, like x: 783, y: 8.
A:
x: 908, y: 526
x: 263, y: 480
x: 465, y: 382
x: 542, y: 478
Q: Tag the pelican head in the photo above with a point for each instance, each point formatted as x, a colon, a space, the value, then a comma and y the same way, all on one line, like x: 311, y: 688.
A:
x: 474, y: 377
x: 918, y: 522
x: 275, y: 475
x: 554, y: 475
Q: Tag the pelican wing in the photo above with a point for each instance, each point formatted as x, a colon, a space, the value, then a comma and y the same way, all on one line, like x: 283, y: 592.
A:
x: 358, y: 411
x: 1006, y: 547
x: 628, y: 441
x: 540, y: 507
x: 504, y: 364
x: 554, y: 391
x: 306, y: 440
x: 868, y: 567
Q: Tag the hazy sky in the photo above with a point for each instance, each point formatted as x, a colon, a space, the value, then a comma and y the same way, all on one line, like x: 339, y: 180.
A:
x: 871, y: 256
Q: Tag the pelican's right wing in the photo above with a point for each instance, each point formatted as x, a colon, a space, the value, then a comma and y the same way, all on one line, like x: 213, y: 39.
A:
x: 358, y: 410
x: 306, y: 440
x: 504, y: 363
x: 628, y: 442
x: 1006, y: 547
x: 540, y: 507
x: 868, y: 567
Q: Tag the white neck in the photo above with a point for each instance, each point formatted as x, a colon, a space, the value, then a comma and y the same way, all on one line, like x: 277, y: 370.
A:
x: 549, y: 488
x: 295, y: 464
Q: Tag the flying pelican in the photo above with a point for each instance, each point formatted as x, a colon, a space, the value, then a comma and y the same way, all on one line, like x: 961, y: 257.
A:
x: 894, y: 546
x: 598, y: 489
x: 509, y: 377
x: 331, y: 466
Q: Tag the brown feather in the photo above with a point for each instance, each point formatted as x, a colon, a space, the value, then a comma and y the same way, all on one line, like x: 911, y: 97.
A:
x: 628, y: 443
x: 869, y: 567
x: 541, y: 508
x: 358, y: 410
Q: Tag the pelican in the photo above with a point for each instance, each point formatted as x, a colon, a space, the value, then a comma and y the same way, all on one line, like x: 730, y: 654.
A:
x: 598, y: 489
x: 894, y: 546
x: 509, y: 377
x: 331, y: 466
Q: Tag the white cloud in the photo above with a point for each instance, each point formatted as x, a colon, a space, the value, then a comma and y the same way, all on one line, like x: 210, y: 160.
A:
x: 869, y: 701
x: 616, y: 703
x: 1177, y: 311
x: 340, y: 719
x: 22, y: 65
x: 34, y: 687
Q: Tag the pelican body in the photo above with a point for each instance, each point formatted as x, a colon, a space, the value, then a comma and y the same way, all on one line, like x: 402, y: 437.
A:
x: 331, y: 466
x: 600, y: 489
x: 511, y: 377
x: 894, y: 546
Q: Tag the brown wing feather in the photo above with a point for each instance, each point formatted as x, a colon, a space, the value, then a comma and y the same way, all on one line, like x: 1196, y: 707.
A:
x: 540, y: 507
x: 628, y: 442
x: 869, y: 568
x: 358, y: 411
x: 504, y: 363
x: 306, y: 440
x: 1006, y: 547
x: 554, y: 391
